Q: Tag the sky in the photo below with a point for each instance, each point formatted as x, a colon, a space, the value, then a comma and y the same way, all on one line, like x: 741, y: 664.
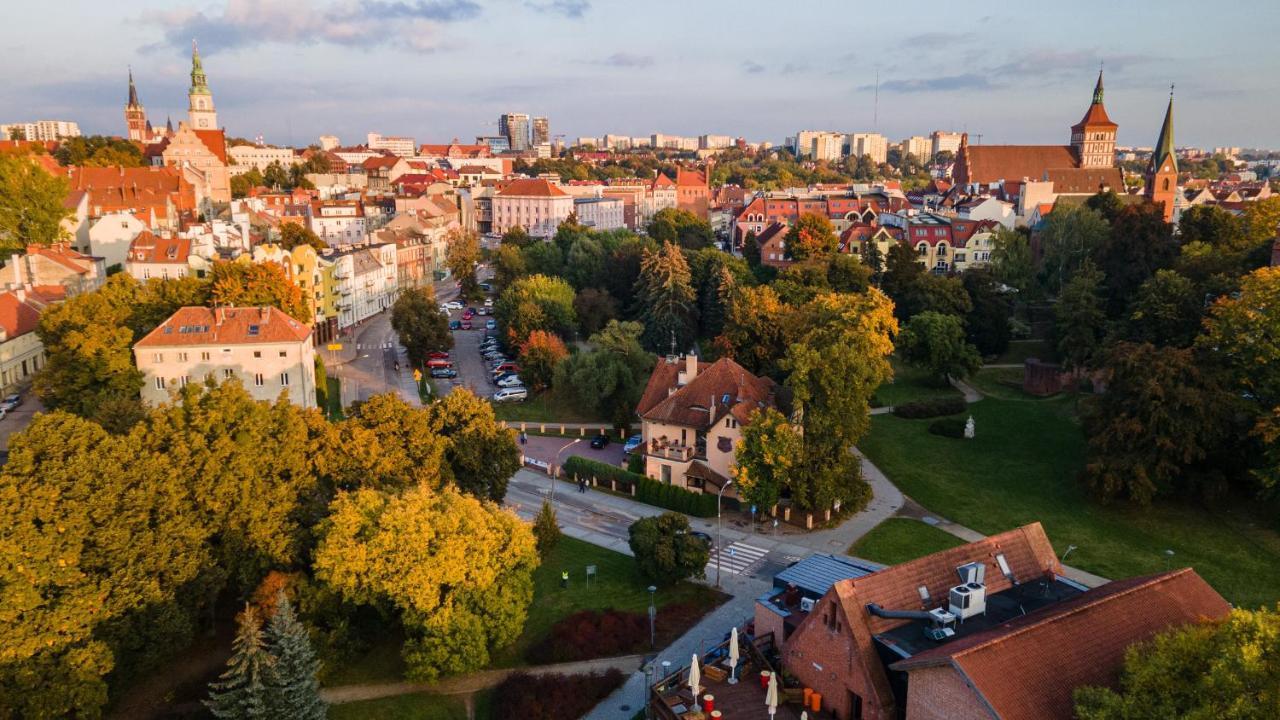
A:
x: 291, y: 70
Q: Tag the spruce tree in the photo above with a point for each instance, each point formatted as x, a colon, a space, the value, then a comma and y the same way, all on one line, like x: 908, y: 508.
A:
x: 241, y: 692
x: 545, y: 528
x: 667, y: 295
x: 294, y: 689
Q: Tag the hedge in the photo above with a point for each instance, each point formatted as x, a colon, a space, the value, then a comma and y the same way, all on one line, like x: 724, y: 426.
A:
x: 933, y: 407
x: 948, y: 427
x: 648, y: 491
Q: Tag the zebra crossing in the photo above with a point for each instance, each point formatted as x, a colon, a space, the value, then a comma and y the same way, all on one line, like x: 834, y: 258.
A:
x: 375, y: 346
x: 739, y: 558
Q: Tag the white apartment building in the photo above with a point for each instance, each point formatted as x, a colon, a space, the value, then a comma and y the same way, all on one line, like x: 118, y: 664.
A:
x: 601, y: 213
x: 944, y: 141
x: 919, y: 146
x: 819, y: 145
x: 402, y: 146
x: 873, y: 145
x: 40, y: 130
x: 712, y: 142
x: 338, y: 222
x: 158, y: 257
x: 111, y: 234
x: 366, y: 281
x: 260, y: 157
x: 532, y: 203
x: 265, y: 349
x: 584, y: 141
x: 617, y: 142
x: 329, y: 142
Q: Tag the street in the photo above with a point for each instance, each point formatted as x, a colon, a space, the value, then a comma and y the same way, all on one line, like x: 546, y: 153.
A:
x: 17, y: 420
x: 373, y: 349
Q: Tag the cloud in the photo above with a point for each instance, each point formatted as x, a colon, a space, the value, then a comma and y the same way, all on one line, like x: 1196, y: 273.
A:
x: 752, y: 67
x: 626, y: 60
x: 794, y: 68
x: 938, y: 39
x: 947, y: 83
x: 568, y: 8
x: 410, y: 24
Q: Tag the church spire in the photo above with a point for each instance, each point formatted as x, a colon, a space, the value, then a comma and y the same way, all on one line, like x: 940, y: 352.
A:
x: 199, y: 83
x: 1164, y: 144
x: 1097, y: 89
x: 133, y: 91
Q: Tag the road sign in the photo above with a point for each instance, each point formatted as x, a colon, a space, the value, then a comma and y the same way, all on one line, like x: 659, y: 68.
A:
x: 417, y: 375
x: 334, y: 346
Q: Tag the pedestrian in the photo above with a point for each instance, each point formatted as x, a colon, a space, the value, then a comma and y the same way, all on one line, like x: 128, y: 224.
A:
x: 564, y: 578
x: 582, y: 485
x: 524, y: 439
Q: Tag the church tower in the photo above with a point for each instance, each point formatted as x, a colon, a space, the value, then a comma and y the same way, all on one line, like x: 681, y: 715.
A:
x: 1162, y: 173
x: 200, y: 113
x: 135, y: 116
x: 1094, y: 138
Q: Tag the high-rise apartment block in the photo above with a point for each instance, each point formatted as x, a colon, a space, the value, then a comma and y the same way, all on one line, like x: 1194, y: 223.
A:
x: 541, y: 131
x: 515, y: 127
x: 402, y: 146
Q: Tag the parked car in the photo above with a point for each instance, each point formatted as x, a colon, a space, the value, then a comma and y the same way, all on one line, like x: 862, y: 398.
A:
x: 632, y: 443
x: 438, y: 355
x: 444, y: 373
x: 598, y: 442
x: 702, y: 536
x: 506, y: 367
x: 487, y: 287
x: 439, y: 363
x: 455, y: 324
x: 10, y: 402
x: 488, y: 302
x: 453, y: 305
x: 466, y: 324
x: 482, y: 310
x: 512, y: 394
x: 490, y: 324
x: 510, y: 381
x: 467, y: 314
x: 498, y: 362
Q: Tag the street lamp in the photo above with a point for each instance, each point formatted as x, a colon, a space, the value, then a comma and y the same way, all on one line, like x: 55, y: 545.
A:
x: 555, y: 465
x: 653, y: 616
x: 719, y: 549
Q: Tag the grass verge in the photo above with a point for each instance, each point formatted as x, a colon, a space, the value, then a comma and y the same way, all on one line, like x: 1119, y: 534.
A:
x: 898, y: 540
x: 417, y: 706
x: 548, y: 406
x: 910, y: 384
x: 1022, y: 467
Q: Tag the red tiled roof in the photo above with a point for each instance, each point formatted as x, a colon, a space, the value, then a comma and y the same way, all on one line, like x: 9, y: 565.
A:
x: 225, y: 326
x: 62, y: 254
x: 17, y: 317
x: 690, y: 178
x: 989, y: 163
x: 1083, y: 181
x: 663, y: 181
x: 532, y: 187
x: 380, y: 162
x: 1094, y: 117
x: 147, y: 248
x: 701, y: 402
x: 216, y: 141
x: 1028, y: 667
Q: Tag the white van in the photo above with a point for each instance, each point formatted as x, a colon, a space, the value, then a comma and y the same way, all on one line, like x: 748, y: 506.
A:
x: 514, y: 394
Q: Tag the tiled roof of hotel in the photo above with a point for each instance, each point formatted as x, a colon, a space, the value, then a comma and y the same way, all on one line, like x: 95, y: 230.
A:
x: 723, y: 386
x: 225, y: 326
x: 532, y: 187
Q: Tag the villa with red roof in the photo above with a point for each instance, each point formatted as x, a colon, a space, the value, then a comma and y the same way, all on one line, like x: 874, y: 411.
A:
x: 534, y: 204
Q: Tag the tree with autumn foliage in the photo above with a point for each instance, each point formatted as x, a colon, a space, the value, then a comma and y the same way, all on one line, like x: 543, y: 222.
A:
x: 758, y: 328
x: 480, y: 453
x: 539, y: 355
x: 242, y: 284
x: 462, y: 257
x: 765, y: 457
x: 31, y: 204
x: 811, y: 236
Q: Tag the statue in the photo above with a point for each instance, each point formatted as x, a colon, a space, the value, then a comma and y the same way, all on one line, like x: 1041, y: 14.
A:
x: 968, y: 428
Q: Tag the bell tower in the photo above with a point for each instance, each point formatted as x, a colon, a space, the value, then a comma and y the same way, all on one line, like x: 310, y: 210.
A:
x: 201, y: 113
x: 135, y: 116
x: 1094, y: 138
x: 1162, y: 173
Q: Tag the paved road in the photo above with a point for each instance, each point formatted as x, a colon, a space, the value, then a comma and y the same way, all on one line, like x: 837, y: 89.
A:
x: 373, y: 349
x: 18, y: 419
x: 547, y: 447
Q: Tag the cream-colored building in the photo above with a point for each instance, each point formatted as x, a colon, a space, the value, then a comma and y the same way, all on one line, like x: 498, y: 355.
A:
x: 266, y: 350
x: 367, y: 281
x: 692, y: 414
x: 919, y: 146
x: 204, y: 154
x: 111, y: 235
x: 55, y: 270
x: 532, y: 203
x: 21, y: 352
x: 257, y: 156
x: 338, y: 222
x: 873, y: 145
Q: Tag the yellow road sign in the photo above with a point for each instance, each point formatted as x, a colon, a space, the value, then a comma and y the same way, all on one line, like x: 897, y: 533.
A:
x: 334, y: 346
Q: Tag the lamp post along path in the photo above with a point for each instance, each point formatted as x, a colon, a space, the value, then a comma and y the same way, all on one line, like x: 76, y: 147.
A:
x: 555, y: 467
x: 719, y: 550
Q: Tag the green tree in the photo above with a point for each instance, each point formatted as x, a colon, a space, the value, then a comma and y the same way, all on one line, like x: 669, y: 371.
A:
x: 1071, y: 235
x: 422, y: 328
x: 539, y: 356
x: 276, y: 177
x: 1080, y: 321
x: 758, y: 329
x: 1106, y: 203
x: 293, y: 691
x: 462, y: 257
x: 680, y: 227
x: 241, y: 692
x: 517, y: 236
x: 665, y: 551
x: 585, y: 263
x: 543, y: 258
x: 457, y: 570
x: 31, y: 204
x: 765, y: 457
x: 902, y: 271
x: 1214, y: 226
x: 874, y: 260
x: 987, y: 325
x: 508, y: 265
x: 536, y: 302
x: 811, y: 236
x: 936, y: 342
x: 1150, y: 433
x: 1200, y: 671
x: 751, y: 249
x: 936, y: 293
x: 546, y: 529
x: 624, y: 272
x: 847, y: 274
x: 292, y: 235
x: 1262, y: 220
x: 665, y: 292
x: 594, y: 308
x: 1167, y: 311
x: 480, y: 453
x: 241, y: 284
x: 713, y: 300
x: 1011, y: 259
x: 384, y: 444
x: 609, y: 379
x: 1140, y: 243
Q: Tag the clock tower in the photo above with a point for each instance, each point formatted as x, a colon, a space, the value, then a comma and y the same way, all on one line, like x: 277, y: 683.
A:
x: 1094, y: 138
x: 201, y: 113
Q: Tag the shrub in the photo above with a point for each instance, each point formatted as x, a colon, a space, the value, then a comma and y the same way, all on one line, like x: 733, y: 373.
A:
x: 648, y: 491
x: 635, y: 463
x: 551, y: 697
x: 948, y: 427
x: 589, y: 634
x: 933, y: 407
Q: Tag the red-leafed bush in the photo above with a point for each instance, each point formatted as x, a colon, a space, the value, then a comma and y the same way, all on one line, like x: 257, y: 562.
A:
x: 552, y: 697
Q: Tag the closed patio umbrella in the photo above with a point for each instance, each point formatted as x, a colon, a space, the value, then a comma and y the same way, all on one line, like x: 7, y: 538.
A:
x: 771, y: 696
x: 733, y: 655
x: 695, y: 677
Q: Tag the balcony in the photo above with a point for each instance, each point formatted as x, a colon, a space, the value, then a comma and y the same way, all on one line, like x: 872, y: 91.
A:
x: 670, y: 450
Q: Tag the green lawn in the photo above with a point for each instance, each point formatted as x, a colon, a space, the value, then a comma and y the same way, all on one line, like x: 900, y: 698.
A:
x: 418, y: 706
x: 1020, y: 350
x: 1022, y: 466
x: 898, y: 540
x: 1000, y: 383
x: 549, y: 406
x: 911, y: 384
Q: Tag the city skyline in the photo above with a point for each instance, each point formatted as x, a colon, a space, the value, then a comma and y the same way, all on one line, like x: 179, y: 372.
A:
x: 291, y: 70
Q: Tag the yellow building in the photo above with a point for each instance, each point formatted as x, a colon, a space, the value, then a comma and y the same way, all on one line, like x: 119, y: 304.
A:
x: 313, y: 274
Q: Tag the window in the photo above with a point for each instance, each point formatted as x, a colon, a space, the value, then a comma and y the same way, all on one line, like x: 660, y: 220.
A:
x: 257, y: 353
x: 159, y: 383
x: 182, y: 357
x: 157, y: 357
x: 257, y: 380
x: 284, y: 379
x: 204, y: 356
x: 284, y: 353
x: 228, y: 373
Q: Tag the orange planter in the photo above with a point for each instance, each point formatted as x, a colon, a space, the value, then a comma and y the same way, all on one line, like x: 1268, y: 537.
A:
x: 808, y: 693
x: 816, y: 702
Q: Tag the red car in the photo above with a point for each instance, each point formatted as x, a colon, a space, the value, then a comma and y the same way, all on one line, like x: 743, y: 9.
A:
x: 468, y: 314
x: 466, y: 324
x: 438, y: 355
x: 506, y: 368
